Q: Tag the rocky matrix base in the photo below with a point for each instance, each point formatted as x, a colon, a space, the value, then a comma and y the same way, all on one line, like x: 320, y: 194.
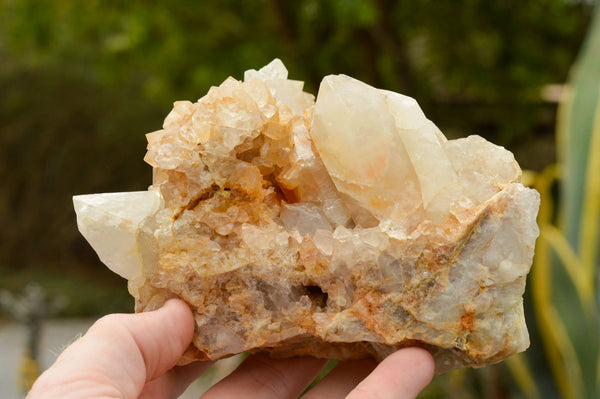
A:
x: 345, y: 228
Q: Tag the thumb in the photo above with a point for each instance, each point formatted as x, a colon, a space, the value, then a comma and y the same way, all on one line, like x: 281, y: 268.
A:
x: 160, y: 336
x: 119, y: 354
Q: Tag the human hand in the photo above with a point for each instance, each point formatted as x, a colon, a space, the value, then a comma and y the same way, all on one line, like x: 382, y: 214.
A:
x: 134, y: 356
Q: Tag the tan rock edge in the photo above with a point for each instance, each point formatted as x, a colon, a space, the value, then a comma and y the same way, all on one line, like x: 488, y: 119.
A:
x: 345, y: 228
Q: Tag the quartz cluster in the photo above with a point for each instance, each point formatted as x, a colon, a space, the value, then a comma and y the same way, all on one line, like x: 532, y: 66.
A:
x: 344, y: 227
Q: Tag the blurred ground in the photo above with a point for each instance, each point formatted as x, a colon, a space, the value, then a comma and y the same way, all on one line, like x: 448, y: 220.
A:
x: 55, y: 336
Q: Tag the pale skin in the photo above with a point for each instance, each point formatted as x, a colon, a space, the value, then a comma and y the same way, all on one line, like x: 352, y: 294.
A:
x: 134, y: 356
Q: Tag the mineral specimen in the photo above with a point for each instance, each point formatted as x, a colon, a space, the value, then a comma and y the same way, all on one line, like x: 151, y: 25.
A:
x: 345, y: 228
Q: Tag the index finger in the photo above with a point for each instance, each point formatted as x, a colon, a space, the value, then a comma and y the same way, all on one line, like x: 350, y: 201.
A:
x: 402, y: 375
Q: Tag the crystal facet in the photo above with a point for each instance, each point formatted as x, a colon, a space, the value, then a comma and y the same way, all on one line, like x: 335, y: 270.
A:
x: 342, y: 228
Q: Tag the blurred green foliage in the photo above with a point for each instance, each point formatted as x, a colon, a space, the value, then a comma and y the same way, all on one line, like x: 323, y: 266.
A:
x: 82, y: 81
x: 565, y: 289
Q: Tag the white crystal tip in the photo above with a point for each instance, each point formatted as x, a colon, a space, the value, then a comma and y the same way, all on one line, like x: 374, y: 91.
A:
x: 109, y: 222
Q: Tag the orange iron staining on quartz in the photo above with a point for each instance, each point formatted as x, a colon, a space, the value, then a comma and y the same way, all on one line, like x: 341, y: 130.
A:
x: 345, y: 227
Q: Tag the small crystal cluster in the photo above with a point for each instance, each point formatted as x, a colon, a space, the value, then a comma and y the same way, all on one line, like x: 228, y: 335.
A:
x: 343, y: 228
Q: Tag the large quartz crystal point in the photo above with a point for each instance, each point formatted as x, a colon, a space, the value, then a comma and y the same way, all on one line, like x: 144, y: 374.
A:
x: 357, y: 139
x: 346, y: 228
x: 111, y: 222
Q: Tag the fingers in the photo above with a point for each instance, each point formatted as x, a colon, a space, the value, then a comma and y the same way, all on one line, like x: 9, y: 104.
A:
x: 262, y: 377
x: 119, y: 354
x: 341, y: 380
x: 122, y: 354
x: 175, y: 381
x: 402, y: 375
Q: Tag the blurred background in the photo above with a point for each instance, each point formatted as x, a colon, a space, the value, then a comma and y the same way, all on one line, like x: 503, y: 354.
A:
x: 81, y: 82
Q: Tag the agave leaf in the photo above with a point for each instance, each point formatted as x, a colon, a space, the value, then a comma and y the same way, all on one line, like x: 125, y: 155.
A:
x: 521, y: 370
x: 559, y: 351
x: 575, y: 129
x: 568, y: 256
